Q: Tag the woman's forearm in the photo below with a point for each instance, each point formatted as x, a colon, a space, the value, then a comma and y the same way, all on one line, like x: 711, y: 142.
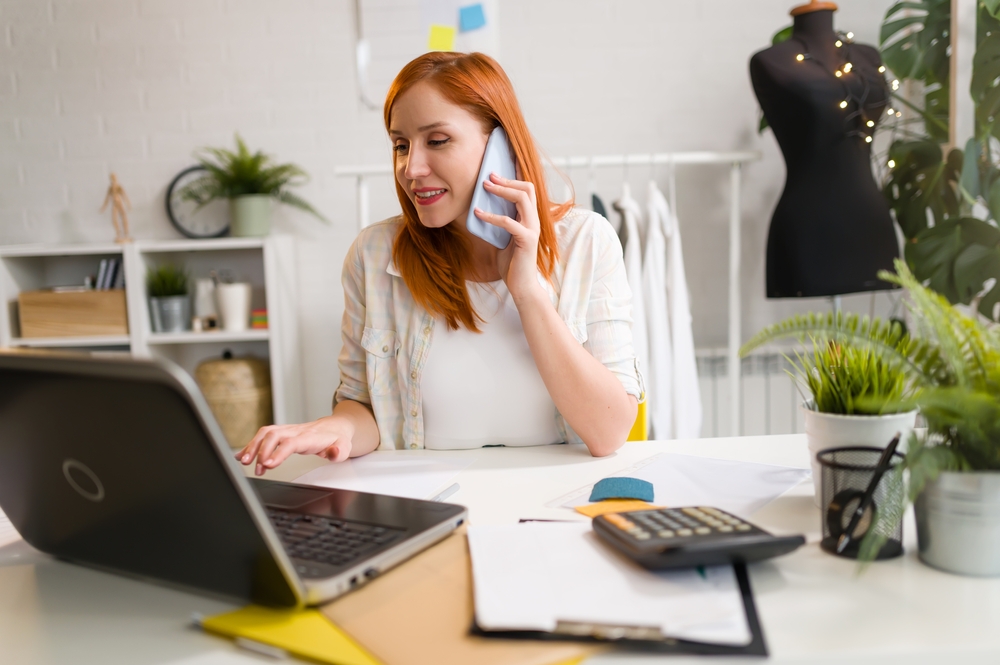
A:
x: 586, y: 393
x: 366, y: 437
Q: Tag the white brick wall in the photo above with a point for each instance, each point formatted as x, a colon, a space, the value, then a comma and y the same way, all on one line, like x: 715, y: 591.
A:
x: 134, y: 86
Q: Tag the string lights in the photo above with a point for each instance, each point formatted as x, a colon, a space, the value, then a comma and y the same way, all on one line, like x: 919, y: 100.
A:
x: 841, y: 73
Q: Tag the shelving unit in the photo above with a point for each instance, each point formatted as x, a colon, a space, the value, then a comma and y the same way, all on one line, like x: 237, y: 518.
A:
x: 267, y: 263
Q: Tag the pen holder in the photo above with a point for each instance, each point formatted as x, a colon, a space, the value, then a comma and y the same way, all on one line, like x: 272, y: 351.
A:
x: 845, y: 475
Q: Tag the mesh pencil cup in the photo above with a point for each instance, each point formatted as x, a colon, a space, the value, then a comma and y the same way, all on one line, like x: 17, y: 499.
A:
x: 844, y: 476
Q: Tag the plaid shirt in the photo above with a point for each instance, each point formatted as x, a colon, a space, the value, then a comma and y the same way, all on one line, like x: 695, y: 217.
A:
x: 387, y: 336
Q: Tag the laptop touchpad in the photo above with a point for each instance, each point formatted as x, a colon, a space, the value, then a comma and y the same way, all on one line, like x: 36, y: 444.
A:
x: 278, y: 495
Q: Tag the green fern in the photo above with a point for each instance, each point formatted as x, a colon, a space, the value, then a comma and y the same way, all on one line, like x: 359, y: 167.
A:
x: 231, y: 174
x: 953, y: 361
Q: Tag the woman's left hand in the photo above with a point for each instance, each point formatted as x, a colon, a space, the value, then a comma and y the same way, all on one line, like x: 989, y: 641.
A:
x: 518, y: 262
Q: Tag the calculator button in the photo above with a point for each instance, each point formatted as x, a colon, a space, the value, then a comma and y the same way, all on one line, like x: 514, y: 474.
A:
x: 713, y: 522
x: 743, y: 527
x: 711, y: 511
x: 666, y: 533
x: 725, y: 529
x: 641, y: 535
x: 703, y: 531
x: 693, y: 512
x: 684, y: 532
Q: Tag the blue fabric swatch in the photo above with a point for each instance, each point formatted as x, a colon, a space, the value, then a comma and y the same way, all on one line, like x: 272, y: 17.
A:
x: 622, y: 488
x: 471, y: 17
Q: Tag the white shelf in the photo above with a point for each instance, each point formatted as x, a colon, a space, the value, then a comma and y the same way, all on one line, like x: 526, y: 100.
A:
x: 56, y: 342
x: 192, y: 245
x: 260, y: 335
x: 60, y: 250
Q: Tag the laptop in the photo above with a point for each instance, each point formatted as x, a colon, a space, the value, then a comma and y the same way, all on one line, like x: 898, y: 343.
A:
x: 119, y: 464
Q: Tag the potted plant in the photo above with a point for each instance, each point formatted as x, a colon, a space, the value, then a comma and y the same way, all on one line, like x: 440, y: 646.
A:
x: 169, y: 303
x: 250, y: 181
x: 850, y: 386
x: 953, y: 360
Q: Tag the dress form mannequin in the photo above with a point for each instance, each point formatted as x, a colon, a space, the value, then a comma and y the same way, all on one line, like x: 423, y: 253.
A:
x: 831, y: 231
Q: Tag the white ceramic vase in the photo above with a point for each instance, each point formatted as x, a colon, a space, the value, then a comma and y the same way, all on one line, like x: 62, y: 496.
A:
x: 832, y: 430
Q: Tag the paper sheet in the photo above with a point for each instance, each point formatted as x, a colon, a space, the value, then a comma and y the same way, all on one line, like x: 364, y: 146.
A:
x: 397, y: 473
x: 741, y: 488
x: 8, y: 534
x: 530, y: 576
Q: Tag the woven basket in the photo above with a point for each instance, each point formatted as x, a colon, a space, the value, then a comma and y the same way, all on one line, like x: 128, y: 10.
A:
x: 238, y: 390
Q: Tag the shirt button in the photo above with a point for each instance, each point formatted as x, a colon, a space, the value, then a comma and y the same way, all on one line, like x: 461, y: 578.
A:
x: 413, y: 413
x: 385, y: 349
x: 413, y: 446
x: 413, y: 375
x: 427, y: 330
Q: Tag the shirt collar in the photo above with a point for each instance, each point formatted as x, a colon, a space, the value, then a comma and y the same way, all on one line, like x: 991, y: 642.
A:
x: 392, y: 269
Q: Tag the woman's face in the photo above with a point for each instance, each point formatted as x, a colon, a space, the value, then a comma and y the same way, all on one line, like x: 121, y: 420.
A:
x: 438, y: 150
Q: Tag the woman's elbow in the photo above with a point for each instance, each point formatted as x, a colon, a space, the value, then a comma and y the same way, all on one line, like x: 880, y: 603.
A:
x: 616, y: 430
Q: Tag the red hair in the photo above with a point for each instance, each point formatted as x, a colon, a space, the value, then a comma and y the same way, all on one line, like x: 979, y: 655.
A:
x: 435, y: 262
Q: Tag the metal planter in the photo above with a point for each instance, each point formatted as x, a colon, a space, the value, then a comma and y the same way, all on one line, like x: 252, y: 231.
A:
x: 958, y: 523
x: 170, y: 313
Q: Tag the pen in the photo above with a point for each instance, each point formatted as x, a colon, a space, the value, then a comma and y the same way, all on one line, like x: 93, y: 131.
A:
x: 866, y: 498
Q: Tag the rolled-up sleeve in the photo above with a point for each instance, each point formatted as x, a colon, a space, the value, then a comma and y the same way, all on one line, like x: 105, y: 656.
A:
x: 353, y: 373
x: 609, y: 312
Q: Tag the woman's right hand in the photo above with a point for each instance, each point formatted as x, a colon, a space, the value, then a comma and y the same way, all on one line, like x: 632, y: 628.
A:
x: 330, y: 437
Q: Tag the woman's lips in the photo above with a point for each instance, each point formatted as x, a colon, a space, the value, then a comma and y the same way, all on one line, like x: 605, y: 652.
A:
x: 429, y: 196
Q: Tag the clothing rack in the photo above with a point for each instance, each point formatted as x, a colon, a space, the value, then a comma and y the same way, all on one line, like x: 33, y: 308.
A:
x: 734, y: 159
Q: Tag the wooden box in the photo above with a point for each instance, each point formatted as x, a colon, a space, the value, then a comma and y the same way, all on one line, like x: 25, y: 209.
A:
x: 72, y: 313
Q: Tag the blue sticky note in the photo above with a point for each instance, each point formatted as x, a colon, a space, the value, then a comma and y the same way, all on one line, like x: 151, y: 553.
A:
x: 471, y: 17
x: 622, y: 488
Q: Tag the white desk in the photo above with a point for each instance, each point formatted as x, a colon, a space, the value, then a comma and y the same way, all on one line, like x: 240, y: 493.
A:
x: 814, y: 607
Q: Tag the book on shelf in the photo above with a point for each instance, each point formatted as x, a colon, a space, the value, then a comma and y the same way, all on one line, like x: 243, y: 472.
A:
x: 102, y: 270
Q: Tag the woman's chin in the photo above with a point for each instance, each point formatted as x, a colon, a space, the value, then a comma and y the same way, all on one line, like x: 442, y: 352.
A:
x: 435, y: 221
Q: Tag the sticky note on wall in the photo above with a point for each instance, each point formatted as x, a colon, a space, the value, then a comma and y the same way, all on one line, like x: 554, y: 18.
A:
x: 441, y: 38
x: 471, y: 17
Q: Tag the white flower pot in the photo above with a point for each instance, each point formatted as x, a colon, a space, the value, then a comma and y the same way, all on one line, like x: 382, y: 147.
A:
x: 832, y: 430
x: 958, y: 523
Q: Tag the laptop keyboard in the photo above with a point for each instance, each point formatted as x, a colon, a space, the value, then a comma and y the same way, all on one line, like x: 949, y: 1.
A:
x: 328, y: 540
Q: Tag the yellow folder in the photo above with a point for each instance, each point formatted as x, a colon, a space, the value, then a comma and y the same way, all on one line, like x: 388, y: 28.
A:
x: 304, y: 633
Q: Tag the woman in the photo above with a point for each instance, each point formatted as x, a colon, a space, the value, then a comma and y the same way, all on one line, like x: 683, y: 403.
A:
x: 449, y: 342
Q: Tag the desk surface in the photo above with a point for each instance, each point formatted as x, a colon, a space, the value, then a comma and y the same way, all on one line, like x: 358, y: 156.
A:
x: 814, y: 607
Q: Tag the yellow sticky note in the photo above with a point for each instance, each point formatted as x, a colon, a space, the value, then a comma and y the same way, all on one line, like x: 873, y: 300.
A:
x: 441, y: 38
x: 304, y: 633
x: 614, y: 506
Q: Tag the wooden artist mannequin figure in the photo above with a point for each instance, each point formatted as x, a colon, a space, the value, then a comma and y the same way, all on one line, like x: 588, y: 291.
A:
x: 118, y: 199
x: 823, y: 97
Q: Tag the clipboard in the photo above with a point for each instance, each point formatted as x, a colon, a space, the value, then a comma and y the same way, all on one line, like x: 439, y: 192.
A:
x: 643, y: 639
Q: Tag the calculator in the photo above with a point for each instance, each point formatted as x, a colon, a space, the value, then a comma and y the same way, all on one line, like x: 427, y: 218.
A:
x: 692, y: 536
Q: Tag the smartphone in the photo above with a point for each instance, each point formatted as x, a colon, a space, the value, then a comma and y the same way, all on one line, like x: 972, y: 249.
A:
x: 497, y: 159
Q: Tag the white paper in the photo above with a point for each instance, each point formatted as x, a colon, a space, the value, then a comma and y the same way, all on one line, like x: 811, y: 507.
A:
x: 531, y: 576
x: 741, y: 488
x: 397, y: 473
x: 8, y: 534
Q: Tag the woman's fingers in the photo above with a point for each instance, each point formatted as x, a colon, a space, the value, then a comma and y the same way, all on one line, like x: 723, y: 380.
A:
x: 503, y: 221
x: 250, y: 450
x: 515, y: 195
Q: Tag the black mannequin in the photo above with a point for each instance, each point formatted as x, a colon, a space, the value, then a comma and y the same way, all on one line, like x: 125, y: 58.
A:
x: 831, y: 231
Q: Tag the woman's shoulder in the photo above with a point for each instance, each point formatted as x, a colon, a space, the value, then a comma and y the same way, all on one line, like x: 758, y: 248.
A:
x: 374, y: 242
x: 581, y: 229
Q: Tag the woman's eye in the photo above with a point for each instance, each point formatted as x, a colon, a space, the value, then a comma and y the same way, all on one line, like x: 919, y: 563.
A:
x: 399, y: 147
x: 437, y: 142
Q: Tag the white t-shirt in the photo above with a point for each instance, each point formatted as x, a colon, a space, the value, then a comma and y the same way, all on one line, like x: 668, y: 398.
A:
x: 483, y: 388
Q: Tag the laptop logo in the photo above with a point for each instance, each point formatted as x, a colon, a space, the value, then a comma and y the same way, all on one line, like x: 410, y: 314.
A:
x: 83, y: 480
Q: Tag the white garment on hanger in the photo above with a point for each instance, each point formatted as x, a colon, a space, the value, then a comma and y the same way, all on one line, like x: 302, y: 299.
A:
x: 686, y: 394
x: 658, y: 373
x: 632, y: 247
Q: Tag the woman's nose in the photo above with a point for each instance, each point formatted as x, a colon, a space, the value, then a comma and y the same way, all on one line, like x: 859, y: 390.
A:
x: 416, y: 164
